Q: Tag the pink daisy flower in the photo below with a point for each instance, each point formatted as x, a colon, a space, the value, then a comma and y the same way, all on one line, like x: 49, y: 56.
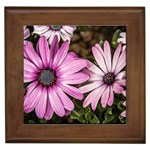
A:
x: 52, y: 73
x: 26, y: 32
x: 107, y: 78
x: 65, y: 32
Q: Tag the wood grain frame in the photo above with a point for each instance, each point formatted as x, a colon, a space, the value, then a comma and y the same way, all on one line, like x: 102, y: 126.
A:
x: 132, y: 18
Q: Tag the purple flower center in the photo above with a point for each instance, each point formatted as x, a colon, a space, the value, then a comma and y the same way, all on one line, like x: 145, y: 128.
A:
x: 47, y: 77
x: 55, y: 27
x: 109, y: 78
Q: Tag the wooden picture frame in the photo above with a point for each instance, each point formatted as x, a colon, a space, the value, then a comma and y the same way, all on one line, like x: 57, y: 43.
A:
x: 131, y: 132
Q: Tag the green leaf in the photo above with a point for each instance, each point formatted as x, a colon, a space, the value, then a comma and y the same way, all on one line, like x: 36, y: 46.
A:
x: 31, y: 121
x: 109, y: 110
x: 122, y: 119
x: 115, y: 38
x: 101, y: 43
x: 120, y: 105
x: 95, y: 120
x: 81, y: 118
x: 100, y: 108
x: 88, y: 116
x: 43, y: 121
x: 75, y: 115
x: 82, y: 28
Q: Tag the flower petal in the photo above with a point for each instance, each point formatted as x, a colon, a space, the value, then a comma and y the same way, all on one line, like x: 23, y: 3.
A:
x: 40, y: 108
x: 72, y: 67
x: 32, y: 55
x: 69, y: 29
x: 66, y: 101
x: 124, y: 93
x: 56, y: 103
x: 107, y: 55
x: 89, y: 87
x: 71, y: 90
x: 92, y: 67
x: 43, y: 50
x: 117, y: 88
x: 105, y: 97
x: 40, y: 29
x: 61, y: 54
x: 30, y: 89
x: 53, y: 50
x: 76, y: 78
x: 31, y: 101
x: 49, y: 111
x: 64, y: 35
x: 111, y: 97
x: 123, y: 114
x: 29, y: 76
x: 26, y: 32
x: 51, y: 38
x: 30, y: 67
x: 120, y: 75
x: 99, y: 59
x: 121, y: 62
x: 116, y: 56
x: 122, y: 82
x: 99, y: 94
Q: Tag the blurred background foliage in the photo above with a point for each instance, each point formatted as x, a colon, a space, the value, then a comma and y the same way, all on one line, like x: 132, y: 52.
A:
x: 82, y: 41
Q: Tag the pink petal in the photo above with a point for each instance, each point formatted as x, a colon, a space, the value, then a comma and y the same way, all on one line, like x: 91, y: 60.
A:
x: 61, y: 54
x: 72, y: 67
x: 32, y: 55
x: 93, y: 76
x: 40, y: 29
x: 92, y: 67
x: 121, y: 82
x: 124, y: 103
x: 99, y: 59
x: 71, y: 90
x: 100, y: 49
x: 122, y: 40
x: 56, y: 103
x: 121, y: 62
x: 29, y: 76
x: 123, y: 34
x: 74, y: 78
x: 89, y: 87
x: 117, y: 88
x: 30, y: 89
x: 95, y: 100
x: 124, y: 93
x: 111, y: 97
x: 51, y: 38
x: 64, y: 35
x: 26, y: 33
x: 116, y: 56
x: 49, y: 111
x: 30, y: 67
x: 120, y: 75
x: 53, y: 49
x: 31, y: 101
x: 69, y: 29
x: 40, y: 108
x: 43, y: 49
x: 66, y: 101
x: 105, y: 97
x: 123, y: 114
x: 107, y: 55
